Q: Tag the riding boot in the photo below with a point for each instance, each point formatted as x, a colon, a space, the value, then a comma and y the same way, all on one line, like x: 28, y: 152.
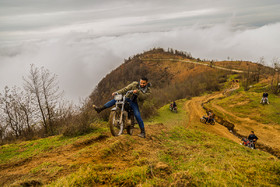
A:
x: 98, y: 109
x: 142, y: 134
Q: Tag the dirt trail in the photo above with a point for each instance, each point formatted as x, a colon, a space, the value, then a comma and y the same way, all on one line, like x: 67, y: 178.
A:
x: 268, y: 134
x: 194, y: 62
x: 195, y: 112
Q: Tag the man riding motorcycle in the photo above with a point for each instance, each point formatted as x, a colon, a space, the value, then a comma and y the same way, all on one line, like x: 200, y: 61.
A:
x: 210, y: 116
x: 253, y: 138
x: 173, y: 106
x: 141, y: 90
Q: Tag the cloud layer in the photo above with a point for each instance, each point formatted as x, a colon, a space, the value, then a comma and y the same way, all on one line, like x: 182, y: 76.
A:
x: 81, y: 60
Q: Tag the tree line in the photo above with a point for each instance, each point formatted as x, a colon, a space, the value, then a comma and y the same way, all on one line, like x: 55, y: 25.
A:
x: 259, y: 69
x: 36, y: 110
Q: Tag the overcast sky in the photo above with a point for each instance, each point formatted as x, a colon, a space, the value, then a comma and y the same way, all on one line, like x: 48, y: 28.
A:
x: 83, y: 40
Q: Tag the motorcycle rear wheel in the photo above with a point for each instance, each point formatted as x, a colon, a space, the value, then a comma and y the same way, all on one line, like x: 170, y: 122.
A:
x: 130, y: 127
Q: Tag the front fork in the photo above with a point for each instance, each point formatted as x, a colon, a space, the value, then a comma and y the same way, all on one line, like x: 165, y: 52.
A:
x: 121, y: 117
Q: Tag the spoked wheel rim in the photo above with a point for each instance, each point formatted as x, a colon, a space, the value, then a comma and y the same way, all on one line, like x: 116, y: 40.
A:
x: 116, y: 127
x: 202, y: 120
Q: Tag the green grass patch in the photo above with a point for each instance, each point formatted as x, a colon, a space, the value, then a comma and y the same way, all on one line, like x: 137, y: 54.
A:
x: 91, y: 175
x: 230, y: 77
x: 166, y: 116
x: 214, y: 161
x: 26, y: 149
x: 47, y: 168
x: 247, y: 104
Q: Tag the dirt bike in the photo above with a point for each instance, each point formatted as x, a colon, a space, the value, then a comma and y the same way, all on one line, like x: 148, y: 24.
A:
x: 264, y: 100
x: 173, y: 109
x: 248, y: 143
x: 121, y: 116
x: 205, y: 120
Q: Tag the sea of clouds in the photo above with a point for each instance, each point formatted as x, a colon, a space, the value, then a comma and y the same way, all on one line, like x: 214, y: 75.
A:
x: 82, y: 59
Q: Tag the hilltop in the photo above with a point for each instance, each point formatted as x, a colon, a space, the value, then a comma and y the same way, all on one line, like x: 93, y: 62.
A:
x: 179, y: 150
x: 173, y: 74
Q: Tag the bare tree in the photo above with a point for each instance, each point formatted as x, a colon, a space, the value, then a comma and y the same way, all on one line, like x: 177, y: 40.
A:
x: 26, y: 112
x: 2, y: 132
x: 246, y: 78
x: 211, y: 63
x: 3, y: 124
x: 260, y: 67
x: 275, y: 81
x: 43, y: 86
x: 11, y: 110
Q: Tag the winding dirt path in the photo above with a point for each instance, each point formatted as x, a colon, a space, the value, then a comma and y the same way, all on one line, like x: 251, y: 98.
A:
x: 195, y: 112
x: 268, y: 134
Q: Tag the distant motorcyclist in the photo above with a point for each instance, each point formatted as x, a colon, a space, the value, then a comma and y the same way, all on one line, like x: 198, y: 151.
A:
x: 173, y: 105
x: 265, y: 98
x: 252, y: 137
x: 141, y: 90
x: 210, y: 116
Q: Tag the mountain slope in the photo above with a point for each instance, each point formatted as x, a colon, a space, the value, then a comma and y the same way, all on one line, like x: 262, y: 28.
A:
x: 171, y: 75
x: 179, y: 150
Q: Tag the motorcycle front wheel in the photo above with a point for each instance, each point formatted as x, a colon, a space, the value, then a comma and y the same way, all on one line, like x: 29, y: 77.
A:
x: 202, y: 120
x: 115, y: 126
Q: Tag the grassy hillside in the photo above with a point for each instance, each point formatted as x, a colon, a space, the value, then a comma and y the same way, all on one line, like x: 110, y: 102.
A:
x: 178, y: 150
x: 173, y: 154
x: 186, y: 157
x: 247, y: 104
x: 25, y: 150
x: 243, y: 109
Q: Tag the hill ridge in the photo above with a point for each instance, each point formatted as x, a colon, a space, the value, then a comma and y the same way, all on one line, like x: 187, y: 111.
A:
x: 194, y: 62
x: 103, y: 153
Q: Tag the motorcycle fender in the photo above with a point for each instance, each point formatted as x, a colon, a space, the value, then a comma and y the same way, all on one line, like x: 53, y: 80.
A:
x: 114, y: 109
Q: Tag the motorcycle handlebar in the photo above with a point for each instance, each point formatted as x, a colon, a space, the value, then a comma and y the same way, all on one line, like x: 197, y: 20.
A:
x: 128, y: 92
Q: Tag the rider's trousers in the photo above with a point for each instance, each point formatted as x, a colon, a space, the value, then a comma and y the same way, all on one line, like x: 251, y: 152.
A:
x: 135, y: 108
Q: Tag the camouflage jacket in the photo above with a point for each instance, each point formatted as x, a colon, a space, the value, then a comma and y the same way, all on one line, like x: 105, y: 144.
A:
x: 142, y: 93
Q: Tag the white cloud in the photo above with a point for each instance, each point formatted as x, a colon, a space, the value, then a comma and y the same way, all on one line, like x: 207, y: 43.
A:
x: 81, y: 60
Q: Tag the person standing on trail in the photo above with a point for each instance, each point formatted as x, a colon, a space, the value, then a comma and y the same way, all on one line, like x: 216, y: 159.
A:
x: 141, y: 90
x: 252, y: 137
